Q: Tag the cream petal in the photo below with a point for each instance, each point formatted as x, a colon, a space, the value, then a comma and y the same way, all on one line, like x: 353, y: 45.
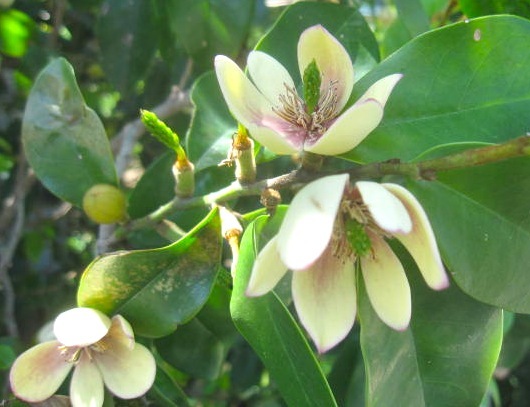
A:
x: 86, y: 387
x: 420, y: 242
x: 308, y: 223
x: 381, y: 89
x: 38, y: 372
x: 325, y: 299
x: 244, y: 100
x: 121, y: 331
x: 386, y: 284
x: 269, y: 76
x: 332, y: 60
x: 350, y: 128
x: 81, y: 326
x: 268, y: 269
x: 126, y: 373
x: 387, y: 211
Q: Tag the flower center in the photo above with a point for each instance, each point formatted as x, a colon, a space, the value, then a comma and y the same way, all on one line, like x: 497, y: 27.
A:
x: 71, y: 354
x: 294, y: 110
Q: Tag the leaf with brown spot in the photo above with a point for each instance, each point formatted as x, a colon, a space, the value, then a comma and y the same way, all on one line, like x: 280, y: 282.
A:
x: 156, y: 289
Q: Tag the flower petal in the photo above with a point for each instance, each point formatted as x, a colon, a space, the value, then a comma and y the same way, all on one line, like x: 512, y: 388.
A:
x: 308, y: 223
x: 268, y: 269
x: 273, y: 135
x: 126, y: 373
x: 420, y: 242
x: 381, y: 89
x: 387, y: 211
x: 81, y: 326
x: 38, y: 372
x: 332, y: 60
x: 325, y: 299
x: 350, y: 128
x: 86, y: 387
x: 269, y: 76
x: 386, y: 284
x: 121, y: 331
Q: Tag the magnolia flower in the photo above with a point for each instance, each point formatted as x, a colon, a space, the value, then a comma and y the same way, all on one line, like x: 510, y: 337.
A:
x: 329, y: 229
x: 277, y: 117
x: 101, y: 350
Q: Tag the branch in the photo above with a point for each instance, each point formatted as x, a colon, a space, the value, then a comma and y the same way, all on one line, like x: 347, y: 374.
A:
x: 426, y: 169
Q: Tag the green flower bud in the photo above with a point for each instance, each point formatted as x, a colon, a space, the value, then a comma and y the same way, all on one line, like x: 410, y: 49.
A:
x: 105, y: 203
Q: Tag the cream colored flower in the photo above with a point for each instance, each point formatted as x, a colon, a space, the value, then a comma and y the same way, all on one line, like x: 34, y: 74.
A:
x: 102, y: 351
x: 329, y: 228
x: 277, y: 117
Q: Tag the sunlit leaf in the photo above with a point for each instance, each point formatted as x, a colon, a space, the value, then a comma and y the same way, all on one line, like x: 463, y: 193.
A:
x: 156, y: 289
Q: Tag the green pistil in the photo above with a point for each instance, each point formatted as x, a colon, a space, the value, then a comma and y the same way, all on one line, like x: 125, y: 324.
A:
x: 312, y: 80
x: 357, y: 237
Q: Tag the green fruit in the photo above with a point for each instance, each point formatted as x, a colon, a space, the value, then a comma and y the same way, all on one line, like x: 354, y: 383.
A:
x: 105, y: 204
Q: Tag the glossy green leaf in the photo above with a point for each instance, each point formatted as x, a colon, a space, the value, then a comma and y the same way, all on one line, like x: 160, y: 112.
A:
x: 209, y: 138
x: 345, y: 23
x: 271, y: 330
x: 206, y: 28
x: 483, y: 229
x: 127, y: 35
x: 445, y: 358
x: 463, y: 82
x: 156, y: 289
x: 7, y: 356
x: 413, y: 16
x: 167, y: 392
x: 516, y: 344
x: 64, y: 139
x: 473, y: 8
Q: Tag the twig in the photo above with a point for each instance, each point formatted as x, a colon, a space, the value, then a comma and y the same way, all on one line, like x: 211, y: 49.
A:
x: 13, y: 208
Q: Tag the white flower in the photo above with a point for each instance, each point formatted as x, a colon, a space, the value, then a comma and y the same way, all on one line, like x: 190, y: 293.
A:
x: 329, y: 228
x: 277, y: 117
x: 102, y: 351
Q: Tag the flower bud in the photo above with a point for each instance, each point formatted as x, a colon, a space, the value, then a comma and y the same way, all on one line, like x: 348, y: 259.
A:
x: 105, y: 203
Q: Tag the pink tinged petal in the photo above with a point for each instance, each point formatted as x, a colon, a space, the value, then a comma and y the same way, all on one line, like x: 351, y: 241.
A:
x: 269, y: 76
x: 388, y: 212
x: 386, y: 284
x: 274, y: 136
x: 38, y: 372
x: 308, y: 224
x: 81, y: 326
x: 332, y: 60
x: 86, y: 387
x: 350, y: 128
x: 420, y: 242
x: 381, y: 89
x: 325, y: 299
x: 268, y: 269
x: 126, y: 373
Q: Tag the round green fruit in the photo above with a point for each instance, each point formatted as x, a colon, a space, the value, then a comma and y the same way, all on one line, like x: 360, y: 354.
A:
x: 105, y: 203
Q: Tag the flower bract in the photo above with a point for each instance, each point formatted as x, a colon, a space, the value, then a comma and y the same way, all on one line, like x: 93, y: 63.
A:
x: 270, y: 107
x: 102, y: 352
x: 330, y: 230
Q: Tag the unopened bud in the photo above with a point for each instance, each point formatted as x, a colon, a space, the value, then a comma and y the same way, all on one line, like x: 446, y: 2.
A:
x: 104, y: 203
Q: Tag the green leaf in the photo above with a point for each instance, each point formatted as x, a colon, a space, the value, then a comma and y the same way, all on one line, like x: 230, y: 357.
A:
x: 7, y: 356
x: 127, y: 35
x: 209, y: 138
x: 157, y: 289
x: 480, y: 218
x: 344, y: 22
x: 167, y: 392
x: 206, y: 28
x: 516, y: 343
x: 64, y: 139
x: 464, y: 82
x: 413, y: 16
x: 270, y: 329
x: 445, y: 358
x: 472, y: 8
